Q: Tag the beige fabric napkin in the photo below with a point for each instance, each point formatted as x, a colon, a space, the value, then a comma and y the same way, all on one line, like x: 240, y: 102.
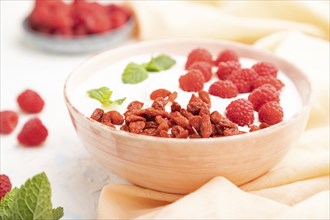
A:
x: 245, y: 21
x: 298, y: 187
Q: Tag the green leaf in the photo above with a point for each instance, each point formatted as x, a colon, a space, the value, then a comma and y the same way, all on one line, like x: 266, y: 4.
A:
x: 6, y: 204
x: 102, y: 94
x: 33, y: 200
x: 134, y: 73
x: 159, y: 63
x: 119, y: 101
x: 58, y: 213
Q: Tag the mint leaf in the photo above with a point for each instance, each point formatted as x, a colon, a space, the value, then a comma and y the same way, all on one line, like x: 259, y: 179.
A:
x: 119, y: 101
x: 6, y: 204
x: 57, y: 213
x: 134, y: 73
x: 159, y: 63
x: 102, y: 94
x: 33, y: 200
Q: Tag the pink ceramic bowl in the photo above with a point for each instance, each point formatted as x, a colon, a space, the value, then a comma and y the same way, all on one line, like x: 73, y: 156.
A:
x: 182, y: 165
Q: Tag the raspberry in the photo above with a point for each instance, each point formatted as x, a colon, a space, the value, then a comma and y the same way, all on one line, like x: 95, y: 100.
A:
x: 225, y: 69
x: 30, y: 101
x: 265, y: 69
x: 243, y: 79
x: 226, y: 55
x: 8, y: 121
x: 33, y: 133
x: 192, y: 81
x: 223, y: 89
x: 262, y: 95
x: 204, y: 67
x: 240, y: 112
x: 5, y: 185
x: 271, y: 113
x: 198, y: 55
x: 262, y: 80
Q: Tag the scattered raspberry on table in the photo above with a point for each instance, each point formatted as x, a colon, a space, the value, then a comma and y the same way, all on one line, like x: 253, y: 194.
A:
x: 8, y: 121
x: 5, y: 185
x: 30, y: 101
x: 33, y: 133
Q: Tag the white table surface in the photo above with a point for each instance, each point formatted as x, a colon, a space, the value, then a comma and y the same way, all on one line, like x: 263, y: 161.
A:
x: 76, y: 178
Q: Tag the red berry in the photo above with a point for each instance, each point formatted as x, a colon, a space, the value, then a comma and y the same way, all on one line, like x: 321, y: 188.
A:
x: 265, y: 69
x: 271, y: 113
x: 8, y: 121
x: 240, y: 112
x: 243, y: 79
x: 30, y: 101
x: 223, y: 89
x: 225, y: 69
x: 33, y: 133
x: 198, y: 55
x: 5, y: 185
x: 192, y: 81
x: 204, y: 67
x: 226, y: 55
x: 262, y: 80
x: 262, y: 95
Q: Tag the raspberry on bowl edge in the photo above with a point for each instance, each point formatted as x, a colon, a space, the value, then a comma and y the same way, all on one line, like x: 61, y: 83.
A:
x: 226, y: 55
x: 198, y: 54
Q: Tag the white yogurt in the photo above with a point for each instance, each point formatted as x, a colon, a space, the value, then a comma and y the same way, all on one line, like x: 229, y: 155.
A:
x: 111, y: 77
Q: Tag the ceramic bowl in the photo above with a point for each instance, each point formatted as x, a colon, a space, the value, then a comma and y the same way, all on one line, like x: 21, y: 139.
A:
x: 79, y: 44
x: 183, y: 165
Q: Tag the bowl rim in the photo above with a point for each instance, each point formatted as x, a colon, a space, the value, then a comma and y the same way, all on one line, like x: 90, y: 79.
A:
x: 250, y: 135
x: 128, y: 24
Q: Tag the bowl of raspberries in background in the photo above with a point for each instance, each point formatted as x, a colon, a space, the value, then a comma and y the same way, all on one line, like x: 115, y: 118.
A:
x: 176, y: 113
x: 77, y: 26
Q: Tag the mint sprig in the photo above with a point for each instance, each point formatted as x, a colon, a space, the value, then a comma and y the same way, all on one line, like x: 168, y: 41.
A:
x: 135, y: 73
x: 103, y: 95
x: 31, y: 201
x: 160, y: 63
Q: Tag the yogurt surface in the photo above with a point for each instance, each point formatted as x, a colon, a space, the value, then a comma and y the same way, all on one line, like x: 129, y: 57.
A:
x: 110, y: 77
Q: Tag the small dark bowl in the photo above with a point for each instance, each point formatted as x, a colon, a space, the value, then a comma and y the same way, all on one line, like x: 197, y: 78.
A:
x: 79, y: 44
